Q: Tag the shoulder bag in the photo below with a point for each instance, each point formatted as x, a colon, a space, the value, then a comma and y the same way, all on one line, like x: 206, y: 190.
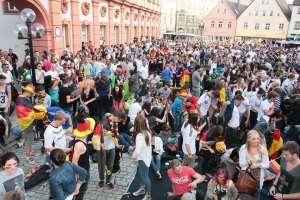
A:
x: 248, y: 181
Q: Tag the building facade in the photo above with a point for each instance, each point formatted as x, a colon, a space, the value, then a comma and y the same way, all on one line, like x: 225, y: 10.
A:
x: 294, y: 27
x: 264, y: 20
x: 71, y: 22
x: 190, y: 15
x: 220, y: 23
x: 168, y: 16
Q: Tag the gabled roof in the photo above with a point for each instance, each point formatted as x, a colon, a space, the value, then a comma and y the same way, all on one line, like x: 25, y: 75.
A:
x: 296, y: 2
x: 285, y: 8
x: 237, y: 10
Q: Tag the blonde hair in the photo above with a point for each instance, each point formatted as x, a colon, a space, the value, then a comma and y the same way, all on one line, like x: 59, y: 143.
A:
x: 275, y: 84
x: 249, y: 134
x: 87, y: 87
x: 60, y: 115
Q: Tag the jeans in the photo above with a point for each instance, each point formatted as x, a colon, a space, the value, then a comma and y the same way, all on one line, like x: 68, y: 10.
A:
x: 202, y: 120
x: 178, y: 122
x: 156, y: 162
x: 125, y: 140
x: 231, y: 138
x: 103, y: 106
x: 83, y: 188
x: 170, y: 155
x: 40, y: 176
x: 144, y: 173
x: 110, y: 157
x: 48, y: 160
x: 292, y: 134
x: 256, y: 195
x: 196, y: 92
x: 205, y: 164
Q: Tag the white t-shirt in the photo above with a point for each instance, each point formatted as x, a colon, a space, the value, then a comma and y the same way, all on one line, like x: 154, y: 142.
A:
x: 243, y: 106
x: 8, y: 75
x: 188, y: 139
x: 38, y: 74
x: 255, y: 102
x: 144, y: 71
x: 134, y: 109
x: 213, y: 66
x: 56, y: 135
x: 52, y: 73
x: 204, y: 102
x: 235, y: 119
x: 265, y: 105
x: 99, y: 67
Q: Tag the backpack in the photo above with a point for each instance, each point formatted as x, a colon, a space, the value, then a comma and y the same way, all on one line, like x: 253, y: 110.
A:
x: 83, y: 110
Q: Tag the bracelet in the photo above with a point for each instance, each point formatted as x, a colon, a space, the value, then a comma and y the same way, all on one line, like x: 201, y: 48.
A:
x: 70, y: 125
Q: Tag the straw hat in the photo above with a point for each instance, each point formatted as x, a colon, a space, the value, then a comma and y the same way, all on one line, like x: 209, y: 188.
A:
x: 84, y: 127
x: 29, y: 88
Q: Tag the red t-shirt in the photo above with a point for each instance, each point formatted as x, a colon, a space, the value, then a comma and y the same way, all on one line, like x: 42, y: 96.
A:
x: 181, y: 182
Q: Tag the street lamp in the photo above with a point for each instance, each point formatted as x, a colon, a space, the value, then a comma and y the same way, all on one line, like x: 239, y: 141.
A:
x: 29, y: 31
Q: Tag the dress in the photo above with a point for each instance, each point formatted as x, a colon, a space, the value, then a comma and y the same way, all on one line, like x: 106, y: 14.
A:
x: 93, y: 106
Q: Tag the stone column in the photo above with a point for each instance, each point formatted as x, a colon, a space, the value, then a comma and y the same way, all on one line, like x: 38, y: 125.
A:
x: 139, y: 26
x: 122, y: 26
x: 96, y: 24
x: 110, y: 24
x: 76, y: 29
x: 54, y: 14
x: 131, y: 27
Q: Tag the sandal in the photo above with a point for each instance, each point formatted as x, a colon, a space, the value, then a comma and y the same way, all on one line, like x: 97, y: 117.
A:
x: 158, y: 176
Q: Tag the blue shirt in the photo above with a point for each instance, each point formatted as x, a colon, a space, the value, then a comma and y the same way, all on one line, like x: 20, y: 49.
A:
x: 102, y: 88
x: 177, y: 105
x: 94, y: 74
x: 166, y: 74
x: 62, y: 182
x: 107, y: 72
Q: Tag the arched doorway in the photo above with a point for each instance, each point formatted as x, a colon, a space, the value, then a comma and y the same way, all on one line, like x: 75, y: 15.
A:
x: 42, y: 17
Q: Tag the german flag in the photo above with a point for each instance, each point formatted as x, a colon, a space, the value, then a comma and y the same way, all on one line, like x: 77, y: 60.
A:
x: 274, y: 167
x: 185, y: 77
x: 276, y: 144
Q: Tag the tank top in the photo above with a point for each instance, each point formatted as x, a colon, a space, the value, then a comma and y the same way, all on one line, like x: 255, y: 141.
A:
x: 54, y: 94
x: 3, y: 98
x: 83, y: 160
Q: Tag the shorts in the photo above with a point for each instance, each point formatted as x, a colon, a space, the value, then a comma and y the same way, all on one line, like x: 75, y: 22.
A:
x: 29, y: 136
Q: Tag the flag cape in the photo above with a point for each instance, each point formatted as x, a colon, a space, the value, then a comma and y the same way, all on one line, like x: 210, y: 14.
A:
x: 192, y: 109
x: 25, y: 112
x: 185, y: 77
x: 276, y: 144
x: 165, y: 51
x: 193, y: 99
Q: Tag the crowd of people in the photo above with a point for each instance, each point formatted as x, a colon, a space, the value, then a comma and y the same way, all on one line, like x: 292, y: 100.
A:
x: 226, y: 105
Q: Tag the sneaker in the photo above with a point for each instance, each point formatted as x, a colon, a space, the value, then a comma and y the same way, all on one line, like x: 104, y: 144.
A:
x: 195, y: 165
x: 20, y: 144
x: 146, y: 197
x: 111, y: 186
x: 139, y: 192
x: 35, y: 154
x: 101, y: 184
x: 30, y: 161
x: 130, y: 150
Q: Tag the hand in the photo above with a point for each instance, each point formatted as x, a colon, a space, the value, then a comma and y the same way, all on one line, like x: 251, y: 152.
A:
x: 135, y: 159
x: 66, y: 150
x: 246, y: 123
x: 48, y: 171
x: 212, y: 151
x: 215, y: 197
x: 190, y: 156
x: 86, y: 103
x: 255, y: 165
x: 76, y: 191
x: 109, y: 95
x: 272, y: 190
x: 277, y: 196
x: 103, y: 145
x: 249, y: 162
x: 193, y: 185
x: 5, y: 110
x: 170, y: 194
x: 78, y: 97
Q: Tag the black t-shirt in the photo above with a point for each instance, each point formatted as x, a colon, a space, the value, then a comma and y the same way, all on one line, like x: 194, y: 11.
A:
x: 63, y: 93
x: 13, y: 57
x: 123, y: 127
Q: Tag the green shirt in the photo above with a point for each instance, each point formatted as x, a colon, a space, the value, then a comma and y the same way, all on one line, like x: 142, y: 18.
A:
x: 87, y: 69
x: 23, y: 78
x: 214, y: 76
x: 284, y: 75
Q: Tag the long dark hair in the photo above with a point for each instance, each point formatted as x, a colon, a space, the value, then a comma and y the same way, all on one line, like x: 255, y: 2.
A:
x: 249, y: 89
x: 115, y: 94
x: 154, y: 112
x: 218, y: 133
x: 140, y: 126
x: 147, y: 107
x: 193, y: 120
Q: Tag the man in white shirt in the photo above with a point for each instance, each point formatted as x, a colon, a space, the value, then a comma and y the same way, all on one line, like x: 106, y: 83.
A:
x: 144, y: 73
x: 128, y: 66
x: 135, y: 108
x: 139, y: 61
x: 288, y: 84
x: 3, y: 61
x: 244, y: 111
x: 53, y: 71
x: 266, y: 108
x: 154, y: 78
x: 6, y: 73
x: 232, y: 122
x: 213, y: 65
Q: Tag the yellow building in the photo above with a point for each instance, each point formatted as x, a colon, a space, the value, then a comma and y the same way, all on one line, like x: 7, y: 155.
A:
x: 266, y: 20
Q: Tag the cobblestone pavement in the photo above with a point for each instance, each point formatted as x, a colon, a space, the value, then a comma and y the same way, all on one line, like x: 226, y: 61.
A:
x: 123, y: 179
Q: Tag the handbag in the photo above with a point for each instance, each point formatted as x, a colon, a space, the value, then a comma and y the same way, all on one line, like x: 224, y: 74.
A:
x: 247, y: 181
x: 174, y: 145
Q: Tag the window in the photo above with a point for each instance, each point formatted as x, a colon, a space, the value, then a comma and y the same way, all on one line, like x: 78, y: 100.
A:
x: 171, y: 20
x: 249, y: 14
x: 63, y: 34
x: 298, y: 10
x: 224, y: 11
x: 125, y: 33
x: 193, y: 18
x: 212, y: 24
x: 218, y: 11
x: 263, y: 13
x: 281, y: 27
x: 256, y: 12
x: 165, y: 20
x: 220, y: 24
x: 245, y: 25
x: 256, y: 26
x: 229, y: 25
x: 188, y: 18
x: 278, y: 14
x: 84, y: 33
x: 102, y: 31
x: 265, y: 2
x: 115, y: 34
x: 192, y: 31
x: 12, y: 8
x: 271, y: 12
x: 297, y: 26
x: 181, y: 18
x: 267, y: 27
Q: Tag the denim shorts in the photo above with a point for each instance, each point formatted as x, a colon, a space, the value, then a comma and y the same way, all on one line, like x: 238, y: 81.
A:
x: 29, y: 136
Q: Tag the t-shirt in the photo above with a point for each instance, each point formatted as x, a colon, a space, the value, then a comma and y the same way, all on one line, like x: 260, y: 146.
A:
x: 87, y: 68
x: 164, y: 91
x: 188, y: 138
x: 289, y: 181
x: 12, y: 182
x: 255, y: 102
x: 265, y: 105
x: 243, y: 106
x: 204, y: 102
x: 56, y: 135
x: 166, y: 74
x: 133, y: 110
x: 152, y: 122
x: 181, y: 181
x: 63, y: 93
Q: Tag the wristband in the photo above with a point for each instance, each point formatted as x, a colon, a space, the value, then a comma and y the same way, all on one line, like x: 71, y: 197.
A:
x: 70, y: 125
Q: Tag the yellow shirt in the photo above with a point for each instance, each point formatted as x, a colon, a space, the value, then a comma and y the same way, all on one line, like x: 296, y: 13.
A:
x: 223, y: 96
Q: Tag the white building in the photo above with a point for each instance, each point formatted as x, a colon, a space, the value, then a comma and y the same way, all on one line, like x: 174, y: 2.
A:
x: 294, y: 27
x: 168, y: 16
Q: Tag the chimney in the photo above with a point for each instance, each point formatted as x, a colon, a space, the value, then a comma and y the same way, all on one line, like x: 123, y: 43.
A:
x: 238, y: 4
